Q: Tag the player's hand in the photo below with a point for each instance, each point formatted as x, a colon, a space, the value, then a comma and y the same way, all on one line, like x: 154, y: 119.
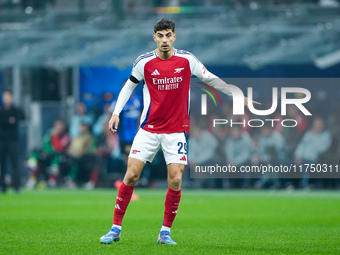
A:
x: 113, y: 123
x: 252, y: 102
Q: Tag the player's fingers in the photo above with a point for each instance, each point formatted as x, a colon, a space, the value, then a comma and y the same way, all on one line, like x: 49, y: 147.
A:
x: 252, y: 102
x: 114, y: 126
x: 111, y: 126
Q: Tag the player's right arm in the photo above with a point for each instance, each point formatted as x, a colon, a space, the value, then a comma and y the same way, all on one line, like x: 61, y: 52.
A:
x: 125, y: 93
x: 123, y: 97
x: 113, y: 123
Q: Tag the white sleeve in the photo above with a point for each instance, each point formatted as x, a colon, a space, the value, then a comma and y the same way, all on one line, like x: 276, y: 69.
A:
x: 137, y: 73
x: 199, y: 70
x: 124, y: 96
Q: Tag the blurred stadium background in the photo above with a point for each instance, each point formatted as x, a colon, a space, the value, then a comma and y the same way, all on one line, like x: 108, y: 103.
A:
x: 55, y: 54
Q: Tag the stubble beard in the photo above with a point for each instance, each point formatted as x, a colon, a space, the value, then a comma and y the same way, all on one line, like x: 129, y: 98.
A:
x: 165, y: 51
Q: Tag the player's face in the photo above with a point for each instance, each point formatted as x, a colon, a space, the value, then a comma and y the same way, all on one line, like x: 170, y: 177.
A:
x: 164, y: 39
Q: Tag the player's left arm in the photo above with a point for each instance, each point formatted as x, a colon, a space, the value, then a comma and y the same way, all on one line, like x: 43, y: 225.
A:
x: 199, y: 70
x: 252, y: 102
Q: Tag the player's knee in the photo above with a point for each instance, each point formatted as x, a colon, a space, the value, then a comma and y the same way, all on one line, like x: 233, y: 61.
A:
x: 132, y: 174
x: 131, y: 177
x: 175, y: 181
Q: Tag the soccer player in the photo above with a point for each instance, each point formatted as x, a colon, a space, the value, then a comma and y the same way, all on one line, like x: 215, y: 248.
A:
x: 166, y: 72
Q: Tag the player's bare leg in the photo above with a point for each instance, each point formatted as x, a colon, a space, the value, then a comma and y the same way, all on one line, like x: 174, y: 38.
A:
x: 175, y: 172
x: 125, y: 191
x: 134, y: 169
x: 172, y: 199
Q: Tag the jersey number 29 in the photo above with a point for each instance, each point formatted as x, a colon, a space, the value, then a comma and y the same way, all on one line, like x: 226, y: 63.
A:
x: 182, y: 146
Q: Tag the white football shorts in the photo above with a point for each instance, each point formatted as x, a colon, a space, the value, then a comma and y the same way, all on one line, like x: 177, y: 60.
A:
x: 146, y: 144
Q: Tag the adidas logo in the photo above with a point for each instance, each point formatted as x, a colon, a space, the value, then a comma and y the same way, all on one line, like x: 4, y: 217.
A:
x: 183, y: 158
x: 117, y: 206
x: 155, y: 72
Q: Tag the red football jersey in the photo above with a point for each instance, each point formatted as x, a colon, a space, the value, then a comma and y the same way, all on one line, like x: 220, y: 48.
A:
x: 166, y: 90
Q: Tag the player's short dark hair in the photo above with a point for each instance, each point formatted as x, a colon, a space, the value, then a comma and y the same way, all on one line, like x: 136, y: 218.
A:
x: 164, y: 24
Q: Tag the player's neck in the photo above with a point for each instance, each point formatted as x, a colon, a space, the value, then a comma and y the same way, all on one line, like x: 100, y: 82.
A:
x: 165, y: 55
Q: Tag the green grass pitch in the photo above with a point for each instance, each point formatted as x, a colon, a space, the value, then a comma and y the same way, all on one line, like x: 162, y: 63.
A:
x: 208, y: 222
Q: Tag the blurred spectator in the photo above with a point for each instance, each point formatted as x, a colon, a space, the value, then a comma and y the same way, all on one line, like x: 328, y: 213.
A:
x: 277, y: 123
x: 332, y: 155
x: 271, y: 150
x: 315, y: 142
x: 102, y: 122
x: 239, y: 149
x: 79, y: 117
x: 293, y: 135
x: 271, y: 146
x: 56, y: 141
x: 294, y: 113
x: 203, y: 149
x: 81, y: 158
x: 220, y: 131
x: 108, y: 155
x: 10, y: 116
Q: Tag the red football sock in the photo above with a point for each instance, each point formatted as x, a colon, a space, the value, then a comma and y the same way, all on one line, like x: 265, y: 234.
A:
x: 172, y: 199
x: 122, y: 202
